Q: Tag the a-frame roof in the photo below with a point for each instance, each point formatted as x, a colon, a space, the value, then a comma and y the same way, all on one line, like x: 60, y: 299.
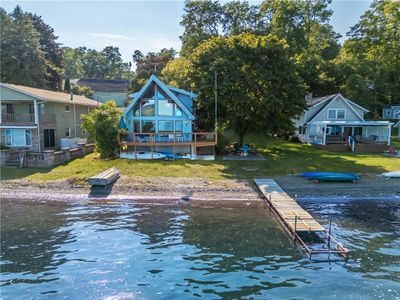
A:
x: 166, y: 89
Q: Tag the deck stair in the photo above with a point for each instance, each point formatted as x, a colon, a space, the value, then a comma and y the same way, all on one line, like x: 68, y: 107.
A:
x: 297, y: 221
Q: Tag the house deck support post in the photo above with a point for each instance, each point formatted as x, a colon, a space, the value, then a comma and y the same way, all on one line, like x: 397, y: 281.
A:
x: 389, y: 133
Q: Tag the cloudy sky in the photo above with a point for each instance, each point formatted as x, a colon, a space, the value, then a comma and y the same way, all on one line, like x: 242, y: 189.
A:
x: 143, y: 25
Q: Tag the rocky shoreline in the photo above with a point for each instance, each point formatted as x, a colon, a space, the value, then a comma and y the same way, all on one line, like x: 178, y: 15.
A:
x: 196, y: 191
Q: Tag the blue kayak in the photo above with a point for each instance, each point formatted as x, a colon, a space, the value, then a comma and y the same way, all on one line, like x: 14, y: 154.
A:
x: 330, y: 176
x: 170, y: 155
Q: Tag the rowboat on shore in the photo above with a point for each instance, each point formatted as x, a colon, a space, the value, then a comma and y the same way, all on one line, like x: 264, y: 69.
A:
x: 394, y: 174
x: 330, y: 176
x: 142, y: 155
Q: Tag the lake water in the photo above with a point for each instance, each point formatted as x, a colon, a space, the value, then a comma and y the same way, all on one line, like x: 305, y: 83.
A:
x: 127, y: 251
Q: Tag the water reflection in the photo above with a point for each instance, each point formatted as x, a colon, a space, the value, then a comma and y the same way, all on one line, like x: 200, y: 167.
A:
x: 131, y: 251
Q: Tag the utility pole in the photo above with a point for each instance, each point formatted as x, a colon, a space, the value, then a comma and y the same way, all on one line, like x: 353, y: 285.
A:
x: 216, y: 101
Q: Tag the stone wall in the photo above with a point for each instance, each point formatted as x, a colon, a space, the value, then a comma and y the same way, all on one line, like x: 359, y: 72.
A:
x: 49, y: 158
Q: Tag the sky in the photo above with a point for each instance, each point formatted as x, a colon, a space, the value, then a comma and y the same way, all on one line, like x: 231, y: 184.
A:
x: 144, y: 25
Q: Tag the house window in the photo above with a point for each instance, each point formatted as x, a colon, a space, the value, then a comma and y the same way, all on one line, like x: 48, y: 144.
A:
x: 166, y: 126
x: 67, y: 108
x: 18, y: 137
x: 148, y: 126
x: 68, y: 132
x: 49, y: 138
x: 8, y: 137
x: 28, y: 137
x: 336, y: 113
x: 7, y: 109
x: 136, y: 109
x: 31, y: 109
x: 179, y: 126
x: 178, y: 111
x: 165, y: 108
x: 148, y: 108
x: 388, y: 112
x: 136, y: 126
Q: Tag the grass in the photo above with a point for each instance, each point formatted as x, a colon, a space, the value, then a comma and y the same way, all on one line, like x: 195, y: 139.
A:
x: 281, y: 157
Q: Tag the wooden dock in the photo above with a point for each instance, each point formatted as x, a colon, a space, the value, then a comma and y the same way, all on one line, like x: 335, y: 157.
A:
x: 295, y: 219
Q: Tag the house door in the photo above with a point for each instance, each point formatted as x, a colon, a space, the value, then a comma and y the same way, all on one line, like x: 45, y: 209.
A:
x: 49, y: 138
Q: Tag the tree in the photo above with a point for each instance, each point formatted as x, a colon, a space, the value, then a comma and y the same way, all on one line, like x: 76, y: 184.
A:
x: 22, y: 60
x: 52, y: 51
x: 201, y: 21
x: 259, y: 88
x: 151, y: 63
x: 106, y: 64
x: 67, y: 85
x: 370, y: 58
x: 102, y: 126
x: 82, y: 90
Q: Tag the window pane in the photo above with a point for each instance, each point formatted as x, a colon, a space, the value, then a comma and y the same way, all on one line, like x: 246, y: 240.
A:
x: 8, y: 137
x: 28, y: 137
x: 178, y: 111
x: 136, y: 126
x: 331, y: 114
x: 148, y: 108
x: 340, y: 113
x: 179, y: 126
x: 136, y: 110
x: 148, y: 126
x: 165, y: 108
x: 165, y: 126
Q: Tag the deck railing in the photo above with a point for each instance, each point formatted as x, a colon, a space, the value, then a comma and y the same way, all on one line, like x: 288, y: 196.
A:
x: 169, y: 138
x: 17, y: 118
x: 26, y: 118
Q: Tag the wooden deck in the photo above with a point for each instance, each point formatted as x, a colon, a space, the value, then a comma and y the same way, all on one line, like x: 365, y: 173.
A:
x: 296, y: 220
x: 294, y: 216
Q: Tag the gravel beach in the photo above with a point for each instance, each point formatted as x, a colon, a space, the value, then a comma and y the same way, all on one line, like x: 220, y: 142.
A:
x: 195, y: 190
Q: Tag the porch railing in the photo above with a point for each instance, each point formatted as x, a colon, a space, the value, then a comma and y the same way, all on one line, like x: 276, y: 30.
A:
x: 17, y: 118
x: 27, y: 118
x: 169, y: 138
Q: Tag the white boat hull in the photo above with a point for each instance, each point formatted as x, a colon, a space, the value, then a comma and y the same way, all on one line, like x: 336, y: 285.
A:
x: 395, y: 174
x: 142, y: 155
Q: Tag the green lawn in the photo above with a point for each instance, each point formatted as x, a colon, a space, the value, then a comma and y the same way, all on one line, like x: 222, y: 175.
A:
x: 281, y: 158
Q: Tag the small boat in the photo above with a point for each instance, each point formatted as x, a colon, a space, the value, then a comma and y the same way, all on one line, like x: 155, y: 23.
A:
x: 170, y: 155
x: 142, y: 155
x: 330, y: 176
x: 395, y: 174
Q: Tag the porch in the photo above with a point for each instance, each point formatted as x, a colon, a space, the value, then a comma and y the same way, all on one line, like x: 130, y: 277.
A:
x: 170, y: 139
x: 352, y: 134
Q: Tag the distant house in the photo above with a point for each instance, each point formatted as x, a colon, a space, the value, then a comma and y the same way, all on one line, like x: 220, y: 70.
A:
x: 335, y: 119
x: 391, y: 113
x: 105, y: 90
x: 37, y: 119
x: 159, y: 119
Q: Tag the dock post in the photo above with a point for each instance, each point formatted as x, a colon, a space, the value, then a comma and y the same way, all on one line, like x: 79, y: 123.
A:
x: 295, y: 228
x: 329, y: 232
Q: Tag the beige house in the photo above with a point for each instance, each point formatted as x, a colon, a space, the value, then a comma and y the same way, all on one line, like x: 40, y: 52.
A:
x: 37, y: 119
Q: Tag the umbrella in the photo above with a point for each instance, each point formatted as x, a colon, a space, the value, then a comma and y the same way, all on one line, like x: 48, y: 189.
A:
x: 122, y: 124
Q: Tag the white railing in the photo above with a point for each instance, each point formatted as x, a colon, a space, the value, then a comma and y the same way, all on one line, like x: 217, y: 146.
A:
x: 352, y: 143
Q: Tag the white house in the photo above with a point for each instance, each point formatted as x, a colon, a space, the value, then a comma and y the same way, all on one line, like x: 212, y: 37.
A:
x: 334, y: 119
x: 392, y: 112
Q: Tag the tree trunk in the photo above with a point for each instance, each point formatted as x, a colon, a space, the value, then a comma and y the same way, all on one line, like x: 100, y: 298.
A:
x: 242, y: 132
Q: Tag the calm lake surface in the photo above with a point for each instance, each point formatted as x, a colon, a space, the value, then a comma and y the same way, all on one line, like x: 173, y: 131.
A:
x: 127, y: 251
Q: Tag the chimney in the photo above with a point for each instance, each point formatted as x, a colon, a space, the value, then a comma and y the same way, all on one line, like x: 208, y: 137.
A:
x: 72, y: 97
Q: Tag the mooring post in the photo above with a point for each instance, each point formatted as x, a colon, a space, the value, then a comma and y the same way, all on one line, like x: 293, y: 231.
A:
x: 295, y: 228
x: 329, y: 232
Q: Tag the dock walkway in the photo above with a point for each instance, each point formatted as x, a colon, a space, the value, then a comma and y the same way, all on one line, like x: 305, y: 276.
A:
x: 295, y: 219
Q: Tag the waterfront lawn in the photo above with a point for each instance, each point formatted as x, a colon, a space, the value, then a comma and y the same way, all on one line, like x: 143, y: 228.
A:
x: 281, y: 158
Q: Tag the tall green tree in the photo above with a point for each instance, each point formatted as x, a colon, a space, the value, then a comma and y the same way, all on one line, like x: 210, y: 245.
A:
x: 52, y: 51
x: 67, y: 85
x: 151, y: 63
x: 259, y: 88
x: 370, y: 59
x: 22, y: 59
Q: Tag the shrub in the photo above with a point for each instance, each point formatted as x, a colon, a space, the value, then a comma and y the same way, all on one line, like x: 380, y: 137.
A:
x: 102, y: 126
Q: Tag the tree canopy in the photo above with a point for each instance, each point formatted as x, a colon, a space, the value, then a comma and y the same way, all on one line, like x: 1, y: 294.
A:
x: 258, y: 85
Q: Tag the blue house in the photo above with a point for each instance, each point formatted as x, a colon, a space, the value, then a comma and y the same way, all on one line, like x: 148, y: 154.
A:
x: 159, y: 121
